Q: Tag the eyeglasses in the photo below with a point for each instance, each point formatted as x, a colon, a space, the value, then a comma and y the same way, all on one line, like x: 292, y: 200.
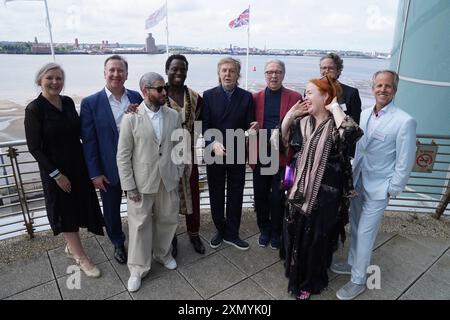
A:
x: 271, y: 73
x: 327, y: 68
x: 159, y: 89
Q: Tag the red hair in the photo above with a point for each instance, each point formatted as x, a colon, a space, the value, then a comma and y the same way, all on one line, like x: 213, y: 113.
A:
x: 328, y: 85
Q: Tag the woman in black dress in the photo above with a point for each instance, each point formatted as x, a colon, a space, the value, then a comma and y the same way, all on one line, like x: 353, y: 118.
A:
x: 52, y: 129
x: 321, y: 136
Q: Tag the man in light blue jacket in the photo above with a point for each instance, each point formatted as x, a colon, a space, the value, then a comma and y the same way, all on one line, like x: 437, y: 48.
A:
x: 383, y: 162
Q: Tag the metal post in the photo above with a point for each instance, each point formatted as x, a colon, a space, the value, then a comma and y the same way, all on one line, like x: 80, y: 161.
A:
x: 12, y: 154
x: 443, y: 203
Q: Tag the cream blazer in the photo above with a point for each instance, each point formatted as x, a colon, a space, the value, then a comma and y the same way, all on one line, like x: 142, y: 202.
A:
x: 141, y: 160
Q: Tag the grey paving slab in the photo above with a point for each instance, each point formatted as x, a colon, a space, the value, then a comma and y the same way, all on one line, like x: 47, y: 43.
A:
x: 326, y: 294
x: 171, y: 286
x: 108, y: 285
x: 60, y: 261
x: 24, y: 274
x: 441, y: 269
x: 401, y: 261
x: 186, y: 252
x: 382, y: 238
x: 46, y: 291
x: 252, y: 260
x: 244, y: 290
x: 122, y: 270
x: 428, y: 287
x: 121, y: 296
x: 273, y: 281
x: 248, y: 226
x: 437, y: 245
x: 211, y: 275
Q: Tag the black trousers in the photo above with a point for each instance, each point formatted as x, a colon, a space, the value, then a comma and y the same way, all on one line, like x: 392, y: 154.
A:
x: 234, y: 175
x: 269, y: 202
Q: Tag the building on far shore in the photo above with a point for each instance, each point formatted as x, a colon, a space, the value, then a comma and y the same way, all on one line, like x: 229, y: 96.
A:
x: 150, y: 46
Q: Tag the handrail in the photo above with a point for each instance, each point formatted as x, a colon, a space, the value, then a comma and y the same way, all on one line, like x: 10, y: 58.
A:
x: 23, y: 199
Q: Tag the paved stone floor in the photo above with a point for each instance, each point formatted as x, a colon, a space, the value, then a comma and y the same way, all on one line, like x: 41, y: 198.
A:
x: 412, y: 267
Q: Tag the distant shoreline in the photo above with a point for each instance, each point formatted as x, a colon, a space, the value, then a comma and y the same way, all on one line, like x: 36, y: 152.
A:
x: 192, y: 53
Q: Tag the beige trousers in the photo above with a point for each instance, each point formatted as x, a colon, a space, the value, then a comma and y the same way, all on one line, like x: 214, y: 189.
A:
x: 152, y: 225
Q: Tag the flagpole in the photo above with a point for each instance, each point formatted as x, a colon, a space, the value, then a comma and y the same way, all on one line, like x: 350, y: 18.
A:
x: 50, y: 30
x: 248, y: 48
x: 167, y: 30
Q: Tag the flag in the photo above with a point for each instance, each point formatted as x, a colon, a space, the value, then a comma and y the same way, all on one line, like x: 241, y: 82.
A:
x: 5, y: 1
x: 240, y: 21
x: 156, y: 17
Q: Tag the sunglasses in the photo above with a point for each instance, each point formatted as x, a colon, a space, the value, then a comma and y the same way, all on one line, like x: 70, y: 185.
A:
x: 159, y: 89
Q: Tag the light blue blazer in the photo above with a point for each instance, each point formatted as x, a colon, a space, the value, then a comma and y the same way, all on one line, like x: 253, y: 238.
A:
x: 384, y: 159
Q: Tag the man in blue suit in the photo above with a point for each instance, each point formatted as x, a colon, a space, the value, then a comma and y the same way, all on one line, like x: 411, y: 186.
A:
x: 383, y: 162
x: 101, y: 114
x: 227, y: 107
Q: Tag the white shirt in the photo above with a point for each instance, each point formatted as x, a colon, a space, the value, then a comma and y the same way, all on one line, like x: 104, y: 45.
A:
x: 118, y: 107
x: 375, y: 119
x: 156, y: 119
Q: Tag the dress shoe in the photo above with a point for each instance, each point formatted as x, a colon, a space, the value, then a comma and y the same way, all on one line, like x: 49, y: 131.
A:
x: 120, y: 254
x: 197, y: 244
x: 174, y: 246
x: 134, y: 283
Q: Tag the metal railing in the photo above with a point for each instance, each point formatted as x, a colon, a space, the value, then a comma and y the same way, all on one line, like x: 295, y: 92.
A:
x: 22, y: 205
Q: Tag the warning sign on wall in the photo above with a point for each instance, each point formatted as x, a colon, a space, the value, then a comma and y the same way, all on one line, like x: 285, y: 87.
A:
x: 425, y: 157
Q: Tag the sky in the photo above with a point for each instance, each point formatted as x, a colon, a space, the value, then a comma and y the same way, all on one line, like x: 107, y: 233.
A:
x: 360, y: 25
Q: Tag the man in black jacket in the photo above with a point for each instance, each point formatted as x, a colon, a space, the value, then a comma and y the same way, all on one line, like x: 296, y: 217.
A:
x: 227, y: 108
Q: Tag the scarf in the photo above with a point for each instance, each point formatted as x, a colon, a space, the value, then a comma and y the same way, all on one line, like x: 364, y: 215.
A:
x: 311, y: 164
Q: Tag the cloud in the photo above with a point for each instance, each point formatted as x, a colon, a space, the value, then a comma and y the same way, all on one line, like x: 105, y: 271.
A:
x: 290, y: 24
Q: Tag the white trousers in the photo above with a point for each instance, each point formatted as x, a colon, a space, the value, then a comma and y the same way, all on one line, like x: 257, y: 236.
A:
x: 365, y: 219
x: 152, y: 225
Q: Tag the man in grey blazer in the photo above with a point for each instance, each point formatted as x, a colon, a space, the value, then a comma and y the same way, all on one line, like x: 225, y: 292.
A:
x: 150, y: 178
x: 383, y: 162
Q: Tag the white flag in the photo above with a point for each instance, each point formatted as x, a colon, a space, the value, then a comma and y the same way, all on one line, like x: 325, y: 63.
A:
x: 5, y: 1
x: 156, y: 17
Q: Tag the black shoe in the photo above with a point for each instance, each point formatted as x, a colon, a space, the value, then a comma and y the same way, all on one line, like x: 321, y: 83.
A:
x: 174, y: 246
x: 238, y: 243
x: 120, y: 255
x: 197, y: 244
x: 216, y: 241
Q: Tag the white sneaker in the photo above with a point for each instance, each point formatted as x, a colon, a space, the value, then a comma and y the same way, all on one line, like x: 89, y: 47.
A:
x: 170, y: 264
x: 134, y: 283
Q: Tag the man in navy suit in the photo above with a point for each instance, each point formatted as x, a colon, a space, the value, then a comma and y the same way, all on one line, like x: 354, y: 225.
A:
x: 332, y: 65
x: 101, y: 114
x: 227, y: 108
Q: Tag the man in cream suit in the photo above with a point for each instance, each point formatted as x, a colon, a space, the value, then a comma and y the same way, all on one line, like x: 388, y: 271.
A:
x: 383, y: 162
x: 150, y: 178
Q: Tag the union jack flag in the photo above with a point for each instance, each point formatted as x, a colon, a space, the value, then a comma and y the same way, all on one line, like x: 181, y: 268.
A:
x: 240, y: 21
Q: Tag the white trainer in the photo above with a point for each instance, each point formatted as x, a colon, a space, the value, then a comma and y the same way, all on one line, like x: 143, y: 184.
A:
x: 134, y: 283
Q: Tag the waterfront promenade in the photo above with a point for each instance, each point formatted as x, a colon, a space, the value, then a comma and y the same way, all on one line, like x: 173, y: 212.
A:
x: 413, y: 253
